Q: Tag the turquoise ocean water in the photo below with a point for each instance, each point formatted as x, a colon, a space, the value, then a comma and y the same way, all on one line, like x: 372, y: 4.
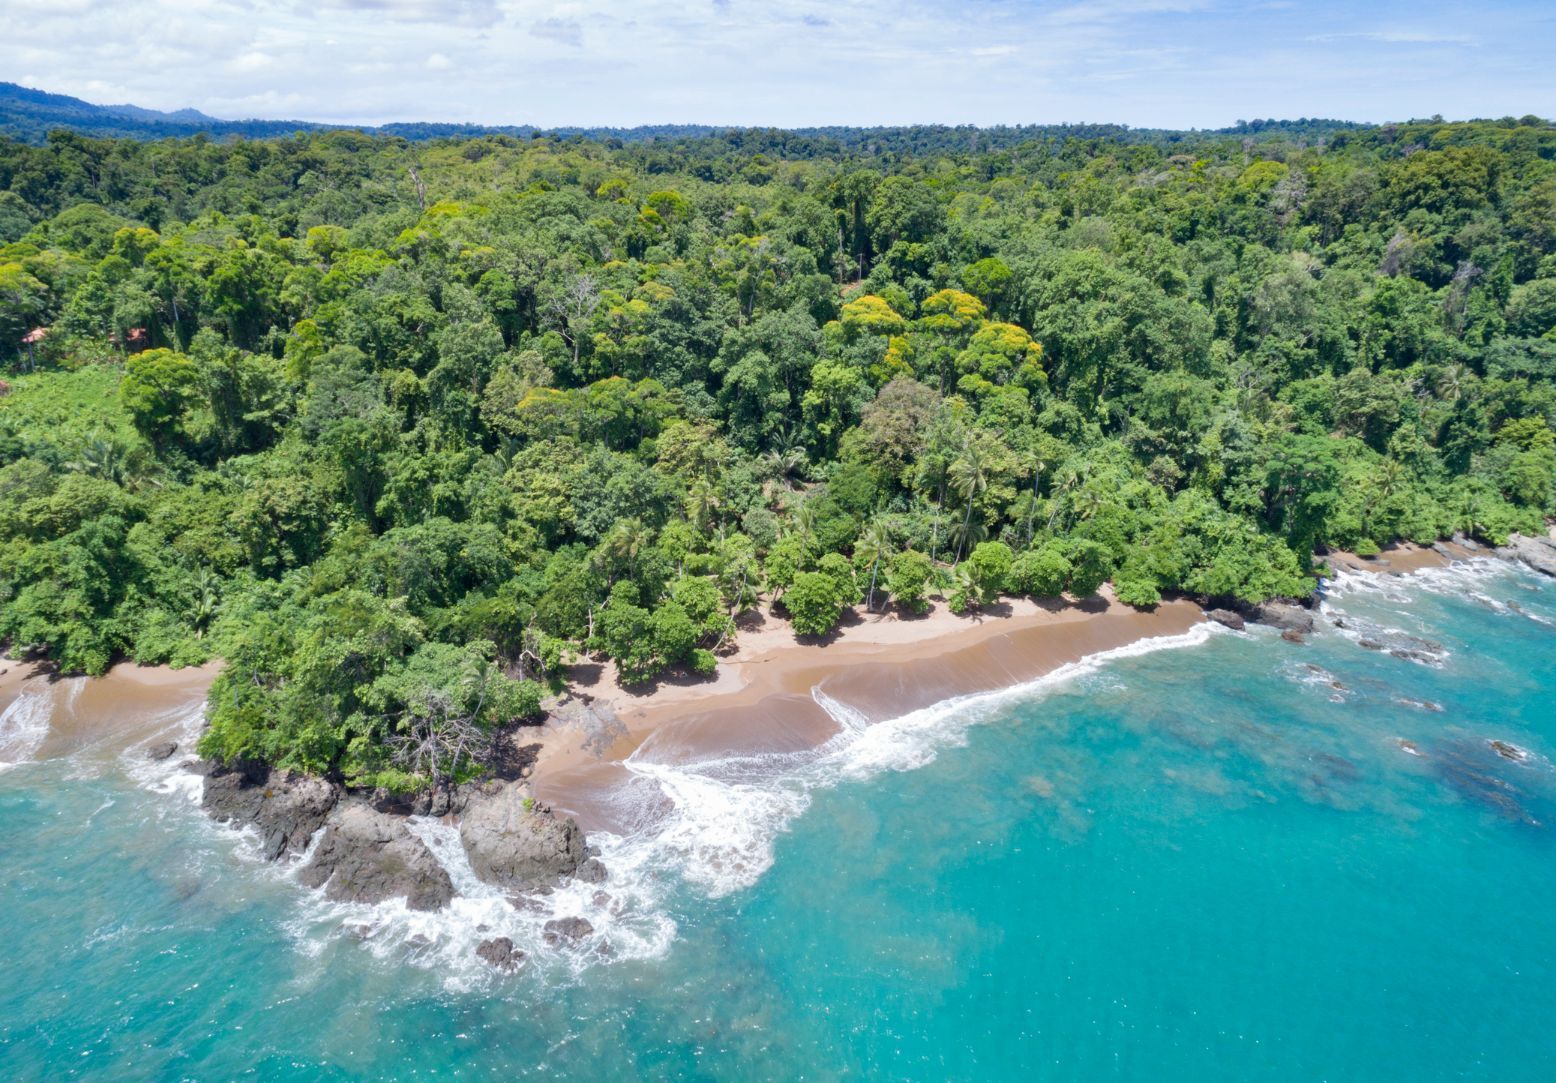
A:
x: 1236, y: 859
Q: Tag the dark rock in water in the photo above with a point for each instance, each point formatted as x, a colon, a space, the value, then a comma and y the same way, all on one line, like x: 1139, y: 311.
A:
x: 287, y: 808
x: 1409, y: 746
x: 591, y: 871
x: 500, y: 953
x: 1396, y: 643
x: 1509, y: 751
x: 164, y: 751
x: 513, y: 842
x: 1467, y: 767
x: 1285, y: 616
x: 1337, y: 768
x: 1228, y: 618
x: 1292, y: 636
x: 566, y: 930
x: 369, y: 856
x: 1420, y: 704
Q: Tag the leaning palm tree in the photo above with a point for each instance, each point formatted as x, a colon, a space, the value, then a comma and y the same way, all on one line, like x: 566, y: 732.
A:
x: 874, y: 546
x: 969, y: 477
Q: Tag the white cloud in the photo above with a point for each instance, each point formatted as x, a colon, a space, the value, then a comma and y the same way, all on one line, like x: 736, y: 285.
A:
x: 253, y: 61
x: 438, y: 62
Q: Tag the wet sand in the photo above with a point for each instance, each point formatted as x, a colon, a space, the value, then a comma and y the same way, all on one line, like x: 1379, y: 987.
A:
x: 129, y: 705
x: 880, y: 668
x: 1400, y: 559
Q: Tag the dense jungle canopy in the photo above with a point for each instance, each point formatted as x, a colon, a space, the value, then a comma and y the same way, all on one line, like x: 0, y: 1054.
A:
x: 400, y: 429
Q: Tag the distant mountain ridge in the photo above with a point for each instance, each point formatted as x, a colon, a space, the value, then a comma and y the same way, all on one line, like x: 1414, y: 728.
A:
x: 28, y: 115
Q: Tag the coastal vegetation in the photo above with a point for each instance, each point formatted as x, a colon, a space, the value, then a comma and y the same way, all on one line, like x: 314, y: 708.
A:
x: 400, y: 430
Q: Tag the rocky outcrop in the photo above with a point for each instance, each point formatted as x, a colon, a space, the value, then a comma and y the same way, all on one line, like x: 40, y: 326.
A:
x: 286, y: 808
x: 368, y: 853
x: 566, y: 931
x: 163, y: 751
x: 370, y: 856
x: 514, y: 843
x: 499, y: 952
x: 1286, y: 616
x: 1537, y: 553
x: 1228, y: 618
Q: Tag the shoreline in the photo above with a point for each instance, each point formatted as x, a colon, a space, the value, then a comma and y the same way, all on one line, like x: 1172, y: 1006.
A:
x: 881, y: 667
x: 758, y: 700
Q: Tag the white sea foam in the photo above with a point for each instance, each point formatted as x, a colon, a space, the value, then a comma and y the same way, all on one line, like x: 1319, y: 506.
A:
x: 713, y: 831
x: 1458, y: 579
x: 727, y: 814
x: 23, y: 726
x: 183, y: 725
x: 1464, y: 579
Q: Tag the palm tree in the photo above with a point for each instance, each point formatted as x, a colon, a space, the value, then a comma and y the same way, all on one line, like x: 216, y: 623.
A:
x: 1039, y: 467
x: 207, y: 600
x: 969, y: 477
x: 803, y: 521
x: 621, y: 547
x: 967, y: 535
x: 787, y: 457
x: 874, y: 545
x: 1087, y: 503
x: 102, y: 458
x: 1067, y: 484
x: 1453, y: 383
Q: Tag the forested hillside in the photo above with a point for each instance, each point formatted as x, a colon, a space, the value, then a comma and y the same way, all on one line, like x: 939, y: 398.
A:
x: 400, y: 429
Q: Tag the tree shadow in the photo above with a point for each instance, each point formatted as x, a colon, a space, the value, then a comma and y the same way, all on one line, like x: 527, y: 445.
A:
x: 512, y: 759
x: 585, y: 674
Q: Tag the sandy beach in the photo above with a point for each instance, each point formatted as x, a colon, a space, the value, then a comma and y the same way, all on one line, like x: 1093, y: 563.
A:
x: 1401, y: 559
x: 879, y: 665
x: 46, y: 717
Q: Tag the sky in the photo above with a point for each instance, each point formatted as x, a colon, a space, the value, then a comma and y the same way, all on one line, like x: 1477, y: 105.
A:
x: 791, y: 63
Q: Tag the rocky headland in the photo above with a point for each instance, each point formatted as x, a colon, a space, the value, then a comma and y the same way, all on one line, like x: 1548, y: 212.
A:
x: 369, y: 853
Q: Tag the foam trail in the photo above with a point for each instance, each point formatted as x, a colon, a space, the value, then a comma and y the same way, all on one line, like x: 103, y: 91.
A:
x: 727, y: 814
x: 716, y: 836
x: 848, y: 719
x: 24, y: 725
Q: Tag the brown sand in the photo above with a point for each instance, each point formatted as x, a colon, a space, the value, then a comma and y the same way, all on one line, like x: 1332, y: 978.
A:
x: 1398, y: 559
x: 127, y: 706
x: 880, y: 666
